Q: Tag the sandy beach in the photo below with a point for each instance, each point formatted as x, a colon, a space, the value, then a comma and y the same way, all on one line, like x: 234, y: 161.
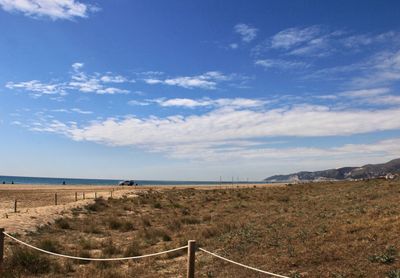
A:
x: 36, y: 203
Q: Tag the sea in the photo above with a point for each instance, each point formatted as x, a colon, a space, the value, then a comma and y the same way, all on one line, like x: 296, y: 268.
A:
x: 73, y: 181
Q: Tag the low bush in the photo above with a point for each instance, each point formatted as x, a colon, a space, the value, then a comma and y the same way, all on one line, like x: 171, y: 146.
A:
x: 387, y: 257
x: 49, y: 245
x: 28, y: 261
x: 63, y: 223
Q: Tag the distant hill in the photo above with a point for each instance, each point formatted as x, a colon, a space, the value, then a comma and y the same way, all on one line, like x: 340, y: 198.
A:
x: 346, y: 173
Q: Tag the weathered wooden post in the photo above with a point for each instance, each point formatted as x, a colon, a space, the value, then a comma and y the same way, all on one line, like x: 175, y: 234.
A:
x: 15, y: 205
x: 95, y: 195
x: 83, y: 194
x: 76, y: 196
x: 1, y: 249
x: 55, y: 198
x: 111, y: 193
x: 191, y: 258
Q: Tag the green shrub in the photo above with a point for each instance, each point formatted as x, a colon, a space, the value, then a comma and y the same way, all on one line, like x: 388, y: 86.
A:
x: 127, y: 226
x: 92, y: 229
x: 146, y: 222
x: 63, y: 223
x: 133, y: 249
x: 388, y: 257
x: 29, y: 261
x: 86, y: 244
x: 393, y: 274
x: 49, y: 245
x: 99, y: 205
x: 83, y: 254
x: 114, y: 224
x: 109, y: 248
x: 166, y: 237
x: 190, y: 220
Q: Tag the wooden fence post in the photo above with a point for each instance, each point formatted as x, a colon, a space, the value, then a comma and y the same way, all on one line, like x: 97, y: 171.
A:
x: 111, y: 193
x: 15, y: 205
x: 191, y: 258
x: 95, y: 195
x: 55, y: 199
x: 76, y: 196
x: 83, y: 195
x: 1, y: 249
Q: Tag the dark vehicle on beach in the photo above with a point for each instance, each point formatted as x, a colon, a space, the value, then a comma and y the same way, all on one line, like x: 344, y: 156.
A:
x: 127, y: 183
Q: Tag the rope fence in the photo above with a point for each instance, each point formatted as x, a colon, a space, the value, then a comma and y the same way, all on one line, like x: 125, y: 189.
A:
x: 191, y: 247
x: 93, y: 259
x: 242, y: 265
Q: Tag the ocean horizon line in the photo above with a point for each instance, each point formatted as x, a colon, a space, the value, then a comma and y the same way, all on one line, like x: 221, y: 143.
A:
x: 4, y: 179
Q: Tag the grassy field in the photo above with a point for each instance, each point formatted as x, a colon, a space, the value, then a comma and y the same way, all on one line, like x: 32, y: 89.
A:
x: 342, y: 229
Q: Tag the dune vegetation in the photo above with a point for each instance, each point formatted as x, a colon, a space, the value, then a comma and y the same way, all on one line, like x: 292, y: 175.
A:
x: 341, y: 229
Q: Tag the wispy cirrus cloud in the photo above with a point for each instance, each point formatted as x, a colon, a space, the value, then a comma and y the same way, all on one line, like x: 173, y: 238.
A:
x: 95, y: 83
x: 295, y: 36
x: 381, y: 68
x: 208, y: 102
x: 72, y: 110
x: 320, y: 41
x: 280, y: 64
x: 54, y: 9
x: 374, y: 96
x: 247, y: 32
x: 38, y: 89
x: 208, y: 80
x: 365, y: 93
x: 79, y: 80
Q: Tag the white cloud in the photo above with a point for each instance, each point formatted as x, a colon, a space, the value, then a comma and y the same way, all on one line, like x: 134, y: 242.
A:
x: 373, y: 96
x: 215, y: 133
x: 361, y: 40
x: 95, y: 83
x: 291, y: 37
x: 37, y: 88
x: 246, y: 32
x: 79, y: 111
x: 79, y: 80
x: 234, y: 45
x: 111, y: 91
x: 208, y: 80
x: 152, y: 81
x: 76, y: 66
x: 54, y: 9
x: 319, y: 41
x: 383, y: 68
x: 207, y: 102
x: 113, y: 79
x: 280, y: 64
x: 138, y: 103
x: 365, y: 92
x: 72, y: 110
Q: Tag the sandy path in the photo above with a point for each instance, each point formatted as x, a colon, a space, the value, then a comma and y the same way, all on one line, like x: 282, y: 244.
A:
x: 35, y: 204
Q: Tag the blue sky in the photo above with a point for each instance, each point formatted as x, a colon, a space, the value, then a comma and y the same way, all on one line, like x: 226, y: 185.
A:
x: 195, y: 90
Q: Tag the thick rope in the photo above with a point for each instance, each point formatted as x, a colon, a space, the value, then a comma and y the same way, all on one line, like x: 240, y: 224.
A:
x: 93, y: 259
x: 242, y: 265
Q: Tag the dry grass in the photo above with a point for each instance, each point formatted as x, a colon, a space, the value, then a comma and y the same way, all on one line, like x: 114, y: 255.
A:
x: 346, y: 229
